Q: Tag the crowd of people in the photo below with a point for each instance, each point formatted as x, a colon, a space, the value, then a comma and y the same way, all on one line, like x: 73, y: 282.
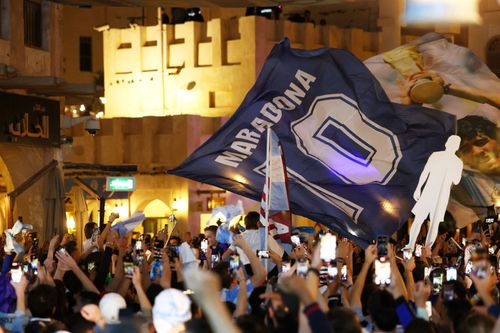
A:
x: 164, y: 283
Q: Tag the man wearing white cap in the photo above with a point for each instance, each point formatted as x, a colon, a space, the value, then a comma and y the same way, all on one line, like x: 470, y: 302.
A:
x: 170, y: 311
x: 110, y: 306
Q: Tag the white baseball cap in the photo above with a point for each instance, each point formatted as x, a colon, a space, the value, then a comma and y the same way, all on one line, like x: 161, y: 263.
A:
x: 110, y: 306
x: 170, y: 309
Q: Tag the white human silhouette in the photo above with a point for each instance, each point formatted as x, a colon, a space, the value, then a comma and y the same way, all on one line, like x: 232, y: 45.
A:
x: 443, y: 168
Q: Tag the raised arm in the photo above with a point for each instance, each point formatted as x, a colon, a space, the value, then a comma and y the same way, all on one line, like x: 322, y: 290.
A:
x: 359, y: 283
x: 206, y: 288
x: 143, y: 299
x: 69, y: 262
x: 259, y: 271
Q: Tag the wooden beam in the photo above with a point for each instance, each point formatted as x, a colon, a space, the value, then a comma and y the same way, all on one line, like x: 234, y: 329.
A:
x: 89, y: 190
x: 33, y: 179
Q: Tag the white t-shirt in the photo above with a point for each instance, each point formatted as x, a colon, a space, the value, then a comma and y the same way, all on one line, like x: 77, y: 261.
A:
x: 252, y: 237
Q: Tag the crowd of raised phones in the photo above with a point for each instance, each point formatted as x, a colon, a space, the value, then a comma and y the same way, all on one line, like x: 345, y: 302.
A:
x: 319, y: 283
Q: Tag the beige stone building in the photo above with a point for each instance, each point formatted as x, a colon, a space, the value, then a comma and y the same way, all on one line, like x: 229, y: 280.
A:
x: 30, y: 61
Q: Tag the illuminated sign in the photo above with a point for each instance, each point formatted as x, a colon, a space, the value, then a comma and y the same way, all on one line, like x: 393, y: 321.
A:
x: 442, y: 11
x: 29, y: 120
x: 124, y: 184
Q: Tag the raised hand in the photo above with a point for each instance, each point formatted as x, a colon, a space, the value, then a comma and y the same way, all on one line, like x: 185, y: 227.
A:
x: 370, y: 254
x: 422, y: 293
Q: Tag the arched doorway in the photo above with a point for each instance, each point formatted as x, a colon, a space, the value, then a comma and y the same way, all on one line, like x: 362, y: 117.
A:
x: 493, y: 55
x: 157, y: 213
x: 6, y: 186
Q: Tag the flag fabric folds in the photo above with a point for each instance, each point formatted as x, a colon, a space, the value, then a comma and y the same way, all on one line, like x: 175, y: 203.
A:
x: 274, y: 207
x: 353, y: 158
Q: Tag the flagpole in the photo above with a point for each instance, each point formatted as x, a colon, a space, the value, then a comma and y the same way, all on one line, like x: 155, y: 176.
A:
x: 268, y: 185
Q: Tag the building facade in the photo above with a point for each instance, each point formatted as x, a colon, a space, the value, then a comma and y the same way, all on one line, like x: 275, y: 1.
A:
x: 30, y: 59
x: 169, y: 87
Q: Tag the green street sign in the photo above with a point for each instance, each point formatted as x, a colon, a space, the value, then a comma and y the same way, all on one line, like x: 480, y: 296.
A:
x: 117, y: 184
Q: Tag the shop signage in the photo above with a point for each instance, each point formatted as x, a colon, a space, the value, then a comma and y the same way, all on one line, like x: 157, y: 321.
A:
x: 29, y: 120
x: 124, y: 184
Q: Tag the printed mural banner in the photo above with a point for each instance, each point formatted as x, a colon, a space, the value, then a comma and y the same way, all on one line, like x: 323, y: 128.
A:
x: 437, y: 74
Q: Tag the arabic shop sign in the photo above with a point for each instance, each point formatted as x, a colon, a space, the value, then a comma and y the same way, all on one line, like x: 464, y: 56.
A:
x: 126, y: 184
x: 29, y: 120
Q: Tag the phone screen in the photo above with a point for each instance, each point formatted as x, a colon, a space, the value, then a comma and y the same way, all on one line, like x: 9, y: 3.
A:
x: 451, y: 273
x: 295, y: 240
x: 328, y: 247
x: 382, y: 272
x: 16, y: 272
x: 234, y: 263
x: 156, y: 270
x: 128, y: 268
x: 468, y: 267
x: 382, y: 242
x: 285, y: 266
x: 204, y: 245
x: 448, y: 292
x: 418, y: 250
x: 407, y: 254
x: 428, y: 308
x: 138, y: 245
x: 437, y: 283
x: 343, y: 273
x: 91, y: 266
x: 302, y: 267
x: 263, y: 254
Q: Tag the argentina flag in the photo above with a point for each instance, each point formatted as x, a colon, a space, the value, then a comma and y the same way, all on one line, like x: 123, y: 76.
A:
x: 353, y: 157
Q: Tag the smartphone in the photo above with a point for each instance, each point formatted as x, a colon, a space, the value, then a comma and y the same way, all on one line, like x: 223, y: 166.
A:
x: 295, y: 240
x: 481, y: 269
x: 95, y: 234
x: 332, y: 271
x: 468, y: 268
x: 91, y: 266
x: 428, y: 308
x: 62, y: 250
x: 418, y: 250
x: 451, y: 273
x: 138, y: 245
x: 492, y: 249
x: 302, y: 267
x: 448, y: 292
x: 328, y: 247
x: 407, y: 254
x: 173, y: 252
x: 204, y: 245
x: 382, y: 242
x: 343, y: 273
x: 34, y: 265
x: 427, y: 272
x: 128, y: 269
x: 16, y: 272
x: 214, y: 259
x: 158, y: 244
x: 285, y: 266
x: 156, y: 270
x: 234, y: 263
x: 437, y: 283
x: 263, y: 254
x: 382, y: 272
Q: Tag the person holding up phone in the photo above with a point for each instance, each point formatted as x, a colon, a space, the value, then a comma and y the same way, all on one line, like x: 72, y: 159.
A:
x: 230, y: 285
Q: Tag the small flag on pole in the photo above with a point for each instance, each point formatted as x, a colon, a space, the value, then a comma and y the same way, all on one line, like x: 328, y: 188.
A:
x: 274, y: 205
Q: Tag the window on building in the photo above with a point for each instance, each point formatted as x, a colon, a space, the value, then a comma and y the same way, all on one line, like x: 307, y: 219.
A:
x: 32, y: 23
x: 86, y: 54
x: 4, y: 19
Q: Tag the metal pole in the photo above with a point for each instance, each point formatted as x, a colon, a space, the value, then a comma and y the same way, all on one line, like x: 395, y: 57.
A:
x: 268, y: 194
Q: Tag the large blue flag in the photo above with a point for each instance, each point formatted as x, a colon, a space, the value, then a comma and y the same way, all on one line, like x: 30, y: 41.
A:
x: 353, y: 157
